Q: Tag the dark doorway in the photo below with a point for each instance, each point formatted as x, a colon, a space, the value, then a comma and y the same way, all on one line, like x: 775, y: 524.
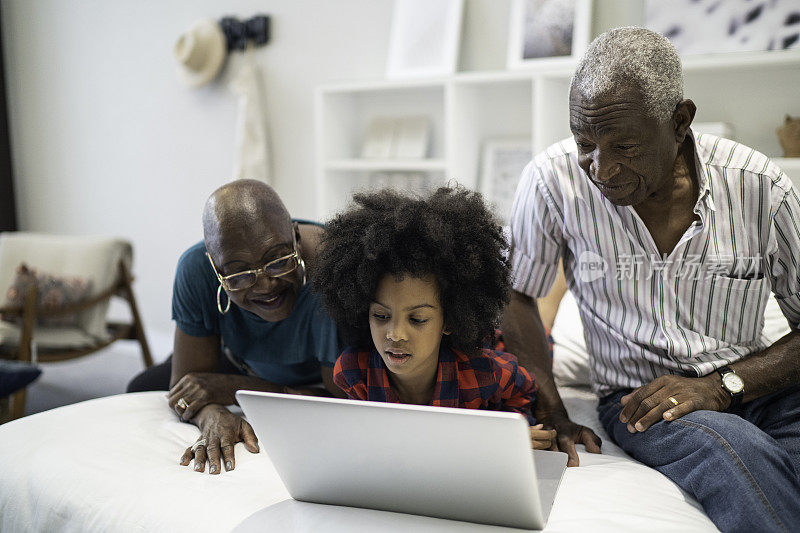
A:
x: 8, y: 213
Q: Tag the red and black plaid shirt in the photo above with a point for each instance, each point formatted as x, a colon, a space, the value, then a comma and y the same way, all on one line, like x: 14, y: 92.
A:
x: 491, y: 380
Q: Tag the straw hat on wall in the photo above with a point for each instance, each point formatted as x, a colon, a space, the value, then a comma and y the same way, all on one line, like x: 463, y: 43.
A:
x: 200, y: 52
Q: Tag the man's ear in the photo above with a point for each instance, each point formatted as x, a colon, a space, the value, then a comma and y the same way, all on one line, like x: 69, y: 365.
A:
x: 682, y: 118
x: 446, y: 331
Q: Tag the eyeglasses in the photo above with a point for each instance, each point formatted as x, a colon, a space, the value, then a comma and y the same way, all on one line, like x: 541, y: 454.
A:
x: 247, y: 278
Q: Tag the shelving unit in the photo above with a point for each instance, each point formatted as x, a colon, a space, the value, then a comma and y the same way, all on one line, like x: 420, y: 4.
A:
x: 752, y: 91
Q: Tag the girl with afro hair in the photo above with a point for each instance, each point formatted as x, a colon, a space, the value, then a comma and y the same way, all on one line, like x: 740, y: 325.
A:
x: 417, y: 287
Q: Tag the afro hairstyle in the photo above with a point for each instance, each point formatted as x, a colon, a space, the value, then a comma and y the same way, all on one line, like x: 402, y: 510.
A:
x: 450, y: 234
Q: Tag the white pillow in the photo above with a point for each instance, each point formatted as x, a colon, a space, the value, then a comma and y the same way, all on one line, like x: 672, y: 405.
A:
x: 571, y: 360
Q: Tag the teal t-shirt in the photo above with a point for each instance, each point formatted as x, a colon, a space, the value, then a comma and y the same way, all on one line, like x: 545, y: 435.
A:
x: 288, y: 352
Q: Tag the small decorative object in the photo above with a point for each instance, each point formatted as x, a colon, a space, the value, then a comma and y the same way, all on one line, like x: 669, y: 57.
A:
x: 503, y: 163
x: 709, y: 26
x: 379, y: 138
x: 200, y: 52
x: 789, y: 136
x: 425, y: 37
x: 548, y: 31
x: 720, y: 129
x: 396, y: 138
x: 411, y: 138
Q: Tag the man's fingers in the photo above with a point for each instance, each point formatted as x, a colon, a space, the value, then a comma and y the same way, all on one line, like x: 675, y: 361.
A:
x: 649, y: 405
x: 186, y: 458
x: 200, y: 458
x: 591, y: 441
x: 249, y: 437
x: 632, y: 402
x: 213, y: 456
x: 567, y: 445
x: 683, y: 408
x: 654, y: 415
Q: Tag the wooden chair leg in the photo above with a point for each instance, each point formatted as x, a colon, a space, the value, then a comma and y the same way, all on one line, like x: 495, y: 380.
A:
x: 18, y: 404
x: 137, y: 321
x: 5, y: 409
x: 17, y: 408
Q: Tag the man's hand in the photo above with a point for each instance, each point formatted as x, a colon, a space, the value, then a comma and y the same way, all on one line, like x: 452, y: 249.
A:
x: 220, y: 430
x: 198, y: 389
x: 650, y: 403
x: 542, y: 439
x: 568, y: 434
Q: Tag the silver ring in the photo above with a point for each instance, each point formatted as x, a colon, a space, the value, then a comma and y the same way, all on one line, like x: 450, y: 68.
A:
x: 201, y: 442
x: 181, y: 403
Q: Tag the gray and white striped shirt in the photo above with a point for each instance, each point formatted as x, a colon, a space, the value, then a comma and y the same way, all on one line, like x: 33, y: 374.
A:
x: 646, y: 315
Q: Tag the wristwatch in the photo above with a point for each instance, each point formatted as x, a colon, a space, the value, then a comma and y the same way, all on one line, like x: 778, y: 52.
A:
x: 733, y: 384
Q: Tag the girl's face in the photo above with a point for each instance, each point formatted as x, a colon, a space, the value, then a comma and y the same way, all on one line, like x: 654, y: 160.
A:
x: 407, y: 322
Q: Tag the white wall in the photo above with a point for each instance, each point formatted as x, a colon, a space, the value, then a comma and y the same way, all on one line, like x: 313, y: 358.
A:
x: 105, y: 139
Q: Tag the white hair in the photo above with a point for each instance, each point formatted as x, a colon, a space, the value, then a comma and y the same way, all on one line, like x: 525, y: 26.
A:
x: 624, y: 56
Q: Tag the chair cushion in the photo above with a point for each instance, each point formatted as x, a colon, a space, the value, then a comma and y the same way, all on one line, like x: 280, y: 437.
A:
x: 15, y: 375
x: 52, y: 292
x: 93, y: 258
x: 49, y: 338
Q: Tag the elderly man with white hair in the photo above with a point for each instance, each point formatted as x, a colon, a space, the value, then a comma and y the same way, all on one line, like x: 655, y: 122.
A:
x: 671, y: 242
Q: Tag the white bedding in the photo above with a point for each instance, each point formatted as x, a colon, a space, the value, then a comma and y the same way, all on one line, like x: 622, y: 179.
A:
x: 111, y: 464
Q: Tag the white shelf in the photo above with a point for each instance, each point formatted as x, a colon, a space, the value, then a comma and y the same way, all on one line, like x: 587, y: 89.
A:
x: 399, y: 165
x: 741, y: 60
x: 752, y: 91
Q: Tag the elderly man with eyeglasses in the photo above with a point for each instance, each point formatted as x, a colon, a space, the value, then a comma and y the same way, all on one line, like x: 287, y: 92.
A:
x: 246, y: 319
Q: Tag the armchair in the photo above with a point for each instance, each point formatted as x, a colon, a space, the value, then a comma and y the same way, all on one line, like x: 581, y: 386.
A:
x: 32, y: 334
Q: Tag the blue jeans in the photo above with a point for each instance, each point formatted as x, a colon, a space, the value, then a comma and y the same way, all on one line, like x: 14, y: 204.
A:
x: 742, y: 465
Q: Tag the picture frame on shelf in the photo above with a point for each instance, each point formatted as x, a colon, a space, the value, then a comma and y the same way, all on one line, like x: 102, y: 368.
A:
x: 403, y: 137
x: 424, y: 39
x: 502, y: 165
x: 548, y: 32
x: 699, y: 28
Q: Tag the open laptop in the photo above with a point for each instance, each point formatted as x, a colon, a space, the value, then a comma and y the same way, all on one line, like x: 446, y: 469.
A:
x: 459, y: 464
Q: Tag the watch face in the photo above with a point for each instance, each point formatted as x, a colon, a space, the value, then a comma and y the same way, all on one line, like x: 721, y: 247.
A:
x: 733, y: 383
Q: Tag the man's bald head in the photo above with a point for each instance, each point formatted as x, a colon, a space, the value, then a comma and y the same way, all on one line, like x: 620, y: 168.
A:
x: 239, y: 206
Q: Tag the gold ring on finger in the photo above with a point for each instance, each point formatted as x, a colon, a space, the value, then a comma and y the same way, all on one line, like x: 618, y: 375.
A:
x: 673, y: 400
x: 182, y: 404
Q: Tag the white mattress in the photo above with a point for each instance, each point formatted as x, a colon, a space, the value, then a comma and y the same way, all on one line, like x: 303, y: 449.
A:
x: 111, y: 464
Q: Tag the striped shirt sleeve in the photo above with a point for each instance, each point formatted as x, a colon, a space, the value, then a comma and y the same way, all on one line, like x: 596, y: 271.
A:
x: 784, y: 270
x: 536, y: 237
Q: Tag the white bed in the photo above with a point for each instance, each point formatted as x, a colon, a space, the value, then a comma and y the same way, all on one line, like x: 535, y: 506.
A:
x: 111, y: 464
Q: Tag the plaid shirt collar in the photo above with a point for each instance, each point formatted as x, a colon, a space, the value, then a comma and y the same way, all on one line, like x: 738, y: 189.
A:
x: 446, y: 389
